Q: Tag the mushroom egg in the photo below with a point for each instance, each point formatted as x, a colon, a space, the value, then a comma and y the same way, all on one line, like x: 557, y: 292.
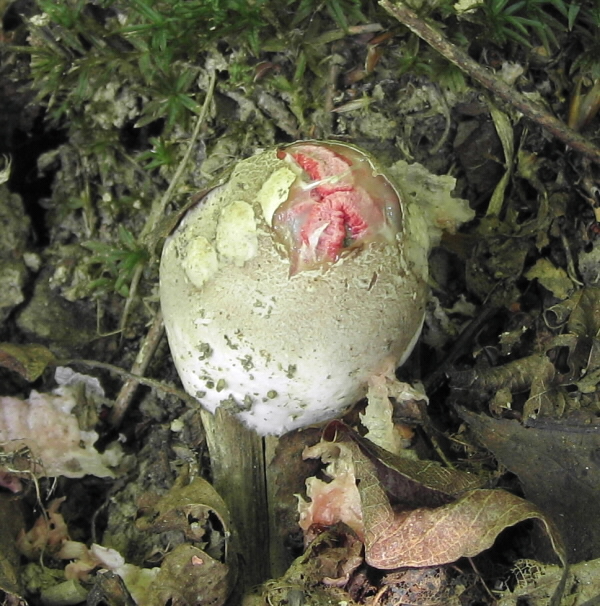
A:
x: 286, y: 288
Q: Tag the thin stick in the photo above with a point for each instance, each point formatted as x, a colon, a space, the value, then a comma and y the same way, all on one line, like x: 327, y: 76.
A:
x: 142, y: 361
x: 158, y: 209
x: 128, y: 375
x: 156, y: 331
x: 487, y: 79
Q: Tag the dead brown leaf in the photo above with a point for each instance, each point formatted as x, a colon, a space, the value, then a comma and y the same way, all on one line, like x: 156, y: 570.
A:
x: 190, y: 577
x: 197, y: 511
x: 557, y: 464
x: 30, y: 360
x: 410, y: 482
x: 440, y: 529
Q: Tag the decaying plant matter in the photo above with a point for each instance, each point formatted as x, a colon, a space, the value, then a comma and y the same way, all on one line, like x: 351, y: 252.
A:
x: 120, y: 121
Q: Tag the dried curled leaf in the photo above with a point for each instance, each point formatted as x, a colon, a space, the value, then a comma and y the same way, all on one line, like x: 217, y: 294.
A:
x: 584, y: 320
x: 430, y: 537
x: 30, y: 360
x: 505, y: 133
x: 545, y: 374
x: 197, y: 511
x: 581, y: 315
x: 555, y: 279
x: 44, y: 425
x: 516, y: 376
x: 534, y: 374
x: 437, y: 530
x: 556, y: 465
x: 411, y: 482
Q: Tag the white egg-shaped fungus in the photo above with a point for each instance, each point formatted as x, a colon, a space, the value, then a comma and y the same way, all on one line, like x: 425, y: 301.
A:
x: 286, y: 288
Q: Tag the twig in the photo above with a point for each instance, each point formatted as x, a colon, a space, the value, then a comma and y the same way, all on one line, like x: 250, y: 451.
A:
x: 156, y: 331
x: 487, y: 79
x: 157, y: 211
x: 433, y: 381
x: 133, y: 288
x: 142, y: 361
x: 137, y: 378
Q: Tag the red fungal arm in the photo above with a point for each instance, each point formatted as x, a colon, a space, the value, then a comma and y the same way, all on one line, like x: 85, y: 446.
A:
x: 338, y: 203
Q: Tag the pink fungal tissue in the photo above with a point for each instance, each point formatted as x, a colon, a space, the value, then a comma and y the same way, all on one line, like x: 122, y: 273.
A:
x: 338, y: 203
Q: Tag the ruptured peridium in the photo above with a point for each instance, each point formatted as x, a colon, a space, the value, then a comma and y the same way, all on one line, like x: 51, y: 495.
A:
x: 337, y: 203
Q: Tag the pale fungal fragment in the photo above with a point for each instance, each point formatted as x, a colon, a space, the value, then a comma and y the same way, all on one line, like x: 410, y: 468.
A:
x: 275, y: 192
x: 237, y: 241
x: 44, y: 426
x: 200, y: 261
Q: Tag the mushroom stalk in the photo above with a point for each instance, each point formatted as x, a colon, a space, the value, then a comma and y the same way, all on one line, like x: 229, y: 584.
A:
x: 239, y: 476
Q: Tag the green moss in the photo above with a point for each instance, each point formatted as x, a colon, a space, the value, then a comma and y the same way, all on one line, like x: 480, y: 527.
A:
x: 116, y: 264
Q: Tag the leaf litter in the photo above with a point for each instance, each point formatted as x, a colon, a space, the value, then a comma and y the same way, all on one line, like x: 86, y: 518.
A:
x: 514, y: 412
